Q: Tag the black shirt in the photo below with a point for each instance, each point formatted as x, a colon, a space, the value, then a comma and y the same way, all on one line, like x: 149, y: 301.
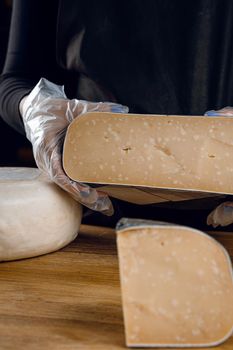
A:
x: 155, y: 56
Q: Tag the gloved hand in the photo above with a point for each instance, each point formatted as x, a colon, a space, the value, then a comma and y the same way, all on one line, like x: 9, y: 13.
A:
x: 225, y: 112
x: 223, y: 214
x: 46, y: 114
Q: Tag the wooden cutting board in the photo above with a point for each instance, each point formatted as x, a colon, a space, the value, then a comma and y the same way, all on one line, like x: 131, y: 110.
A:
x: 69, y: 299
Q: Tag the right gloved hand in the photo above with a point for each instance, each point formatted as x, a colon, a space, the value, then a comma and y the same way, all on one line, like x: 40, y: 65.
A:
x: 46, y: 114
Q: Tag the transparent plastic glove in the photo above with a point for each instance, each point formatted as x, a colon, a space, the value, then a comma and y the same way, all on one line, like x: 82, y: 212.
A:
x: 46, y: 114
x: 226, y: 111
x: 222, y: 215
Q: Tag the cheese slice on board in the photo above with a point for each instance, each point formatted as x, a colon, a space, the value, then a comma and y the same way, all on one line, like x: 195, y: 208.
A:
x: 151, y: 158
x: 36, y: 216
x: 176, y: 283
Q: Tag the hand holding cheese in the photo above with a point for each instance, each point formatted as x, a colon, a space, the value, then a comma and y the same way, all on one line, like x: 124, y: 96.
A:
x: 222, y: 215
x: 46, y: 113
x: 224, y: 112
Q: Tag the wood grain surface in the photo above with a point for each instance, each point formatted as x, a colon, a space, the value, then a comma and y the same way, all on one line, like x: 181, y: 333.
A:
x: 69, y: 299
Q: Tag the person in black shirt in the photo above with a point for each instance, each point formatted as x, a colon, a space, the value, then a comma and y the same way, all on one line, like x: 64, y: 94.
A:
x: 154, y: 56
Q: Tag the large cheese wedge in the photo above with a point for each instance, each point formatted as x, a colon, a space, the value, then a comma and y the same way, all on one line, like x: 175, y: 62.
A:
x: 36, y: 216
x: 177, y: 285
x: 155, y: 158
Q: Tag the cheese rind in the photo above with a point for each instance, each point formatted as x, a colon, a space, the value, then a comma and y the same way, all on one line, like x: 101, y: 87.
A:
x: 177, y: 286
x: 192, y: 153
x: 36, y: 216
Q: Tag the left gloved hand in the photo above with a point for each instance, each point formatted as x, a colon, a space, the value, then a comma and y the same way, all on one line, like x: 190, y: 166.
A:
x: 222, y: 215
x: 224, y: 112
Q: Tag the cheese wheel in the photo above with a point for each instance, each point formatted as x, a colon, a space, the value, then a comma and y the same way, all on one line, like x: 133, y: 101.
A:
x: 36, y: 216
x: 177, y: 286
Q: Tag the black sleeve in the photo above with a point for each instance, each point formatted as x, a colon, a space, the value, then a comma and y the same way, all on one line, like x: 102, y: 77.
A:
x: 31, y: 55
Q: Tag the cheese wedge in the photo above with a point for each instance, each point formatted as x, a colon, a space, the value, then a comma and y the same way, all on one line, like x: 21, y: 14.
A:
x: 151, y: 158
x: 177, y: 285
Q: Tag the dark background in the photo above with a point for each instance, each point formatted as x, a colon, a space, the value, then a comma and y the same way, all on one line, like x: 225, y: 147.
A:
x: 15, y: 150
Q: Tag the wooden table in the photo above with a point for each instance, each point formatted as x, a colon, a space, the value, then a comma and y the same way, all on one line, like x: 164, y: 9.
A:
x: 69, y: 299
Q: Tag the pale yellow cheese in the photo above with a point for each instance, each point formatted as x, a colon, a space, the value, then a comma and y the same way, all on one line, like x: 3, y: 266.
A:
x: 190, y: 153
x: 177, y: 285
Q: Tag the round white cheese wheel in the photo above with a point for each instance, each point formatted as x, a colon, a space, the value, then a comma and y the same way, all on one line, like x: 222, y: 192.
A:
x: 36, y: 216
